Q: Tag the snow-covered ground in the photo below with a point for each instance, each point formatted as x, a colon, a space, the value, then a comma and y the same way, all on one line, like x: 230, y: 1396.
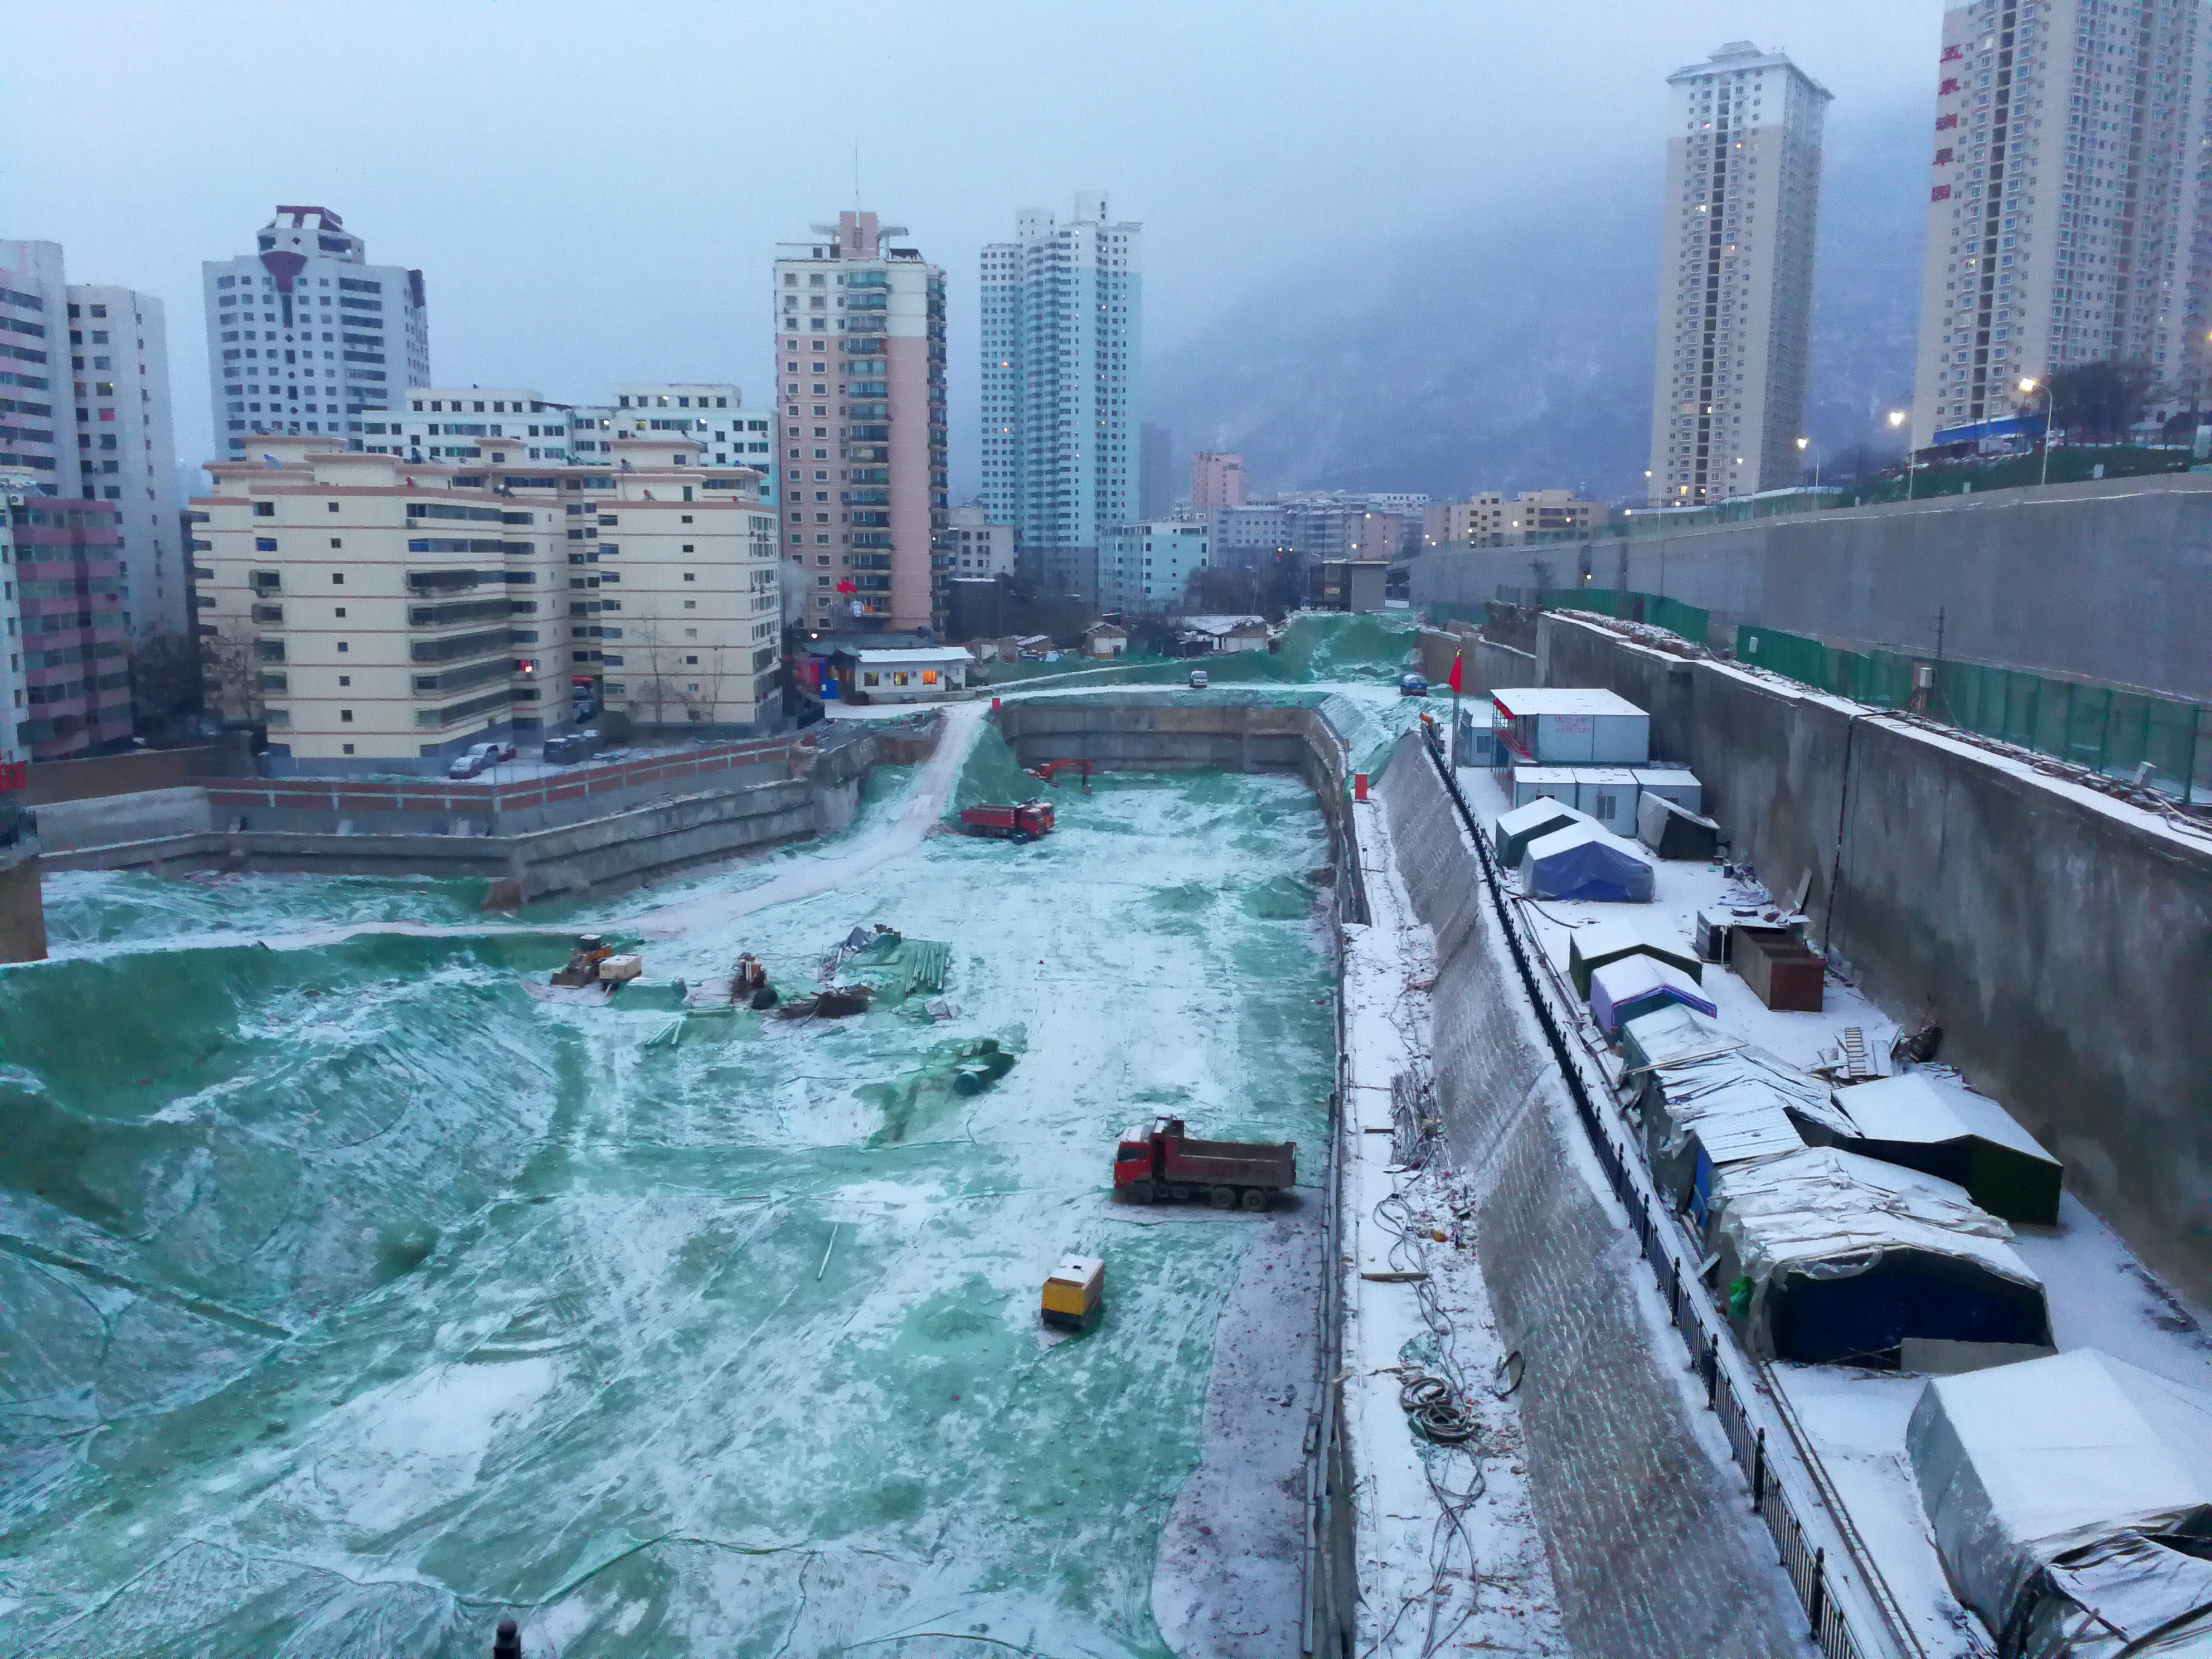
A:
x: 1853, y: 1421
x: 357, y: 1297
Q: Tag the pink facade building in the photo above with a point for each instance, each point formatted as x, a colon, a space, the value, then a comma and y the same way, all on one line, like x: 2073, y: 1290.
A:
x: 859, y: 347
x: 1216, y: 480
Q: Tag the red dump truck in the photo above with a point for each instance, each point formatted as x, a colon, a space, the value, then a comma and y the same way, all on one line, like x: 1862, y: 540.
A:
x: 1025, y: 821
x: 1160, y: 1163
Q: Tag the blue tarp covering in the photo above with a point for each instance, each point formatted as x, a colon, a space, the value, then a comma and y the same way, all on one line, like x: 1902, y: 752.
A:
x: 1583, y: 862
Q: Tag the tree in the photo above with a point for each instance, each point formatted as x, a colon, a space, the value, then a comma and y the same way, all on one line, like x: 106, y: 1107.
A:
x: 1223, y: 591
x: 2097, y: 401
x: 166, y: 678
x: 231, y: 669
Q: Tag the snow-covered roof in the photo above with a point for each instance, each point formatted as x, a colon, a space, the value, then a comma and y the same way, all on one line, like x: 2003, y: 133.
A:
x: 912, y: 659
x: 1634, y: 980
x: 1907, y: 1108
x: 1220, y: 624
x: 2019, y: 1464
x: 1674, y: 1035
x: 1519, y: 701
x: 1740, y: 1105
x: 1548, y: 777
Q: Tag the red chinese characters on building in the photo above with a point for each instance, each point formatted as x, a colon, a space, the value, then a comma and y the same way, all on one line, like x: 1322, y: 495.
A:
x: 1950, y: 84
x: 1945, y: 123
x: 1942, y: 157
x: 1953, y: 53
x: 1941, y: 193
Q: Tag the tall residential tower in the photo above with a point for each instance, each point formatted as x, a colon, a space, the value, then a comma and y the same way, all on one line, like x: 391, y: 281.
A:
x: 860, y: 342
x: 305, y: 336
x: 2066, y: 218
x: 1736, y: 276
x: 1062, y: 308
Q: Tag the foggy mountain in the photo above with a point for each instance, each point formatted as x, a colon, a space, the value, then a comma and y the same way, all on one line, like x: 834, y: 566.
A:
x: 1514, y: 350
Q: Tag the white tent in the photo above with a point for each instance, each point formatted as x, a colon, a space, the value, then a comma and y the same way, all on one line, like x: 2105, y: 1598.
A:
x: 2034, y: 1475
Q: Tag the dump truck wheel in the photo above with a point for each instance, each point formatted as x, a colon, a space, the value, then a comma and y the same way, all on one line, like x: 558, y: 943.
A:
x: 1140, y: 1192
x: 1017, y: 835
x: 1255, y: 1198
x: 1224, y: 1198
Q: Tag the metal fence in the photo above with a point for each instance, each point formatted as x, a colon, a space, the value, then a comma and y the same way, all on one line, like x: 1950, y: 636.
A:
x: 2070, y: 463
x: 1828, y: 1622
x: 2106, y: 728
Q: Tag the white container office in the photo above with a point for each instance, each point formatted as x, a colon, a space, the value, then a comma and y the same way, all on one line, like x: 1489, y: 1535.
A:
x: 1565, y: 725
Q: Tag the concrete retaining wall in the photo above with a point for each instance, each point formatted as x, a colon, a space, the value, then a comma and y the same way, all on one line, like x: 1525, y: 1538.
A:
x: 1485, y: 665
x: 138, y: 772
x: 2107, y: 581
x: 2061, y: 937
x: 1645, y: 1529
x: 69, y: 825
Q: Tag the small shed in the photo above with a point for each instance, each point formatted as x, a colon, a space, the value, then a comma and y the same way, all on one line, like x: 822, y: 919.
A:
x: 1617, y: 937
x: 1572, y: 726
x: 2049, y: 1486
x: 1715, y: 1109
x: 1672, y: 1035
x: 918, y: 674
x: 1637, y: 984
x: 1958, y: 1136
x: 1525, y: 783
x: 1673, y: 830
x: 1826, y: 1258
x: 1478, y: 742
x: 1511, y: 834
x: 1581, y: 862
x: 1105, y: 639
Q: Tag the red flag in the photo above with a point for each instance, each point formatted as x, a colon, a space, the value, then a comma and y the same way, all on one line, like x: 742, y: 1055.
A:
x: 1453, y: 681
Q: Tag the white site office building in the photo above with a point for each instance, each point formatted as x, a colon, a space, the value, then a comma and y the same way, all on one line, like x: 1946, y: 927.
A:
x: 1062, y: 315
x: 305, y: 336
x: 379, y: 612
x: 2067, y: 204
x: 1736, y: 276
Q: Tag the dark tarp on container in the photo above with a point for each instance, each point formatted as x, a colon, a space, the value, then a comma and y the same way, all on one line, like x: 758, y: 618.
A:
x: 1617, y: 937
x: 1583, y: 862
x: 2057, y: 1490
x: 1707, y: 1113
x: 1846, y: 1258
x: 1510, y: 836
x: 1673, y: 831
x: 1961, y: 1138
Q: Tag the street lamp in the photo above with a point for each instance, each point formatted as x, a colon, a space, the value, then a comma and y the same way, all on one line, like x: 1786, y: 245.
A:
x: 2027, y: 386
x: 1897, y: 418
x: 1803, y: 444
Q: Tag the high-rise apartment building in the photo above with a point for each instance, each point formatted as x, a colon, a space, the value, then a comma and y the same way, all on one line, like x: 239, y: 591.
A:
x: 1216, y: 480
x: 1062, y: 314
x: 1736, y: 276
x: 373, y: 610
x: 1155, y: 471
x: 70, y: 584
x: 860, y: 339
x: 441, y: 423
x: 2066, y: 215
x: 305, y: 336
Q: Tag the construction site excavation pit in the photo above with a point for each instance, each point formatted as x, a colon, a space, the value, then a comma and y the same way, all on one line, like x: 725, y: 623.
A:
x: 356, y: 1299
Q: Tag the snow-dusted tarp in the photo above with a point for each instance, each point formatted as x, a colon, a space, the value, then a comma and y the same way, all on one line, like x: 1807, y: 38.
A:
x: 1581, y: 862
x: 2047, y: 1482
x: 1673, y: 831
x: 1634, y: 985
x: 1671, y: 1035
x: 1724, y: 1109
x: 1511, y: 834
x: 1617, y: 937
x: 1845, y: 1258
x: 1961, y: 1137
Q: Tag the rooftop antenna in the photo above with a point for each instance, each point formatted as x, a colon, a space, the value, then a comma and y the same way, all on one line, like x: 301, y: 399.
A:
x: 856, y: 177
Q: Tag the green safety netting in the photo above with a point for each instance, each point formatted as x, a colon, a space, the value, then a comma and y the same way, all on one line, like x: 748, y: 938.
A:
x: 356, y: 1299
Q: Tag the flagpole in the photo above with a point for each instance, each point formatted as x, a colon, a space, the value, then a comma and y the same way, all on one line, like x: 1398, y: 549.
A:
x: 1455, y: 677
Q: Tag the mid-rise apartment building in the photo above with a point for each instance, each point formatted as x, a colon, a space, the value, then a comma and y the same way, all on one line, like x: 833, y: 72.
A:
x: 1061, y: 330
x: 1147, y: 566
x: 305, y: 336
x: 1216, y: 480
x: 974, y: 547
x: 860, y: 339
x: 1250, y: 536
x: 438, y: 423
x: 16, y: 491
x: 67, y: 573
x: 375, y: 611
x: 2068, y: 206
x: 1489, y: 519
x: 1736, y: 276
x: 22, y: 912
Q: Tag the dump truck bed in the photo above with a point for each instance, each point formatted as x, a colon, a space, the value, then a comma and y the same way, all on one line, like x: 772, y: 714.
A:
x: 1232, y: 1163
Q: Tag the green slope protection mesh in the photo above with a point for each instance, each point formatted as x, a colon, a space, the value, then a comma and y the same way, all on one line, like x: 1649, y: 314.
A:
x: 356, y: 1299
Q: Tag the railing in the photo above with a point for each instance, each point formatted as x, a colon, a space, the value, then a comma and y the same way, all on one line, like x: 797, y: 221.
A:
x: 1711, y: 1353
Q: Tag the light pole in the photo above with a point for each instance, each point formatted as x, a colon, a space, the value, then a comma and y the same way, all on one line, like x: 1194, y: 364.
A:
x: 1897, y: 418
x: 1804, y: 444
x: 2028, y: 388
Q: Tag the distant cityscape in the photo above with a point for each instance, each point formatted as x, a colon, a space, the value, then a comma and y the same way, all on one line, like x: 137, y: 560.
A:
x: 2069, y: 235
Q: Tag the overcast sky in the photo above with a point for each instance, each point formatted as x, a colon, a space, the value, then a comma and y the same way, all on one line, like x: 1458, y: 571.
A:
x: 592, y: 189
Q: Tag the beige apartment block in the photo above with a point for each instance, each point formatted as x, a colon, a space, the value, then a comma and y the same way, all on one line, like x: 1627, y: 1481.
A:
x: 1490, y: 520
x: 381, y: 614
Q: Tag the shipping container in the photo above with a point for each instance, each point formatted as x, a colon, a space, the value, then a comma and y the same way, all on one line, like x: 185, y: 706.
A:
x: 1560, y: 726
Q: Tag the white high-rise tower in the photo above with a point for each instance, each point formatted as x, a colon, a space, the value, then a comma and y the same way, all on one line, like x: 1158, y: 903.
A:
x: 1062, y: 313
x: 1736, y: 276
x: 305, y: 336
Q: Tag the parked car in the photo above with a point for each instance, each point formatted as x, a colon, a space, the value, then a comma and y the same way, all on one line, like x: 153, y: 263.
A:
x: 470, y: 762
x: 1198, y: 679
x: 1412, y: 685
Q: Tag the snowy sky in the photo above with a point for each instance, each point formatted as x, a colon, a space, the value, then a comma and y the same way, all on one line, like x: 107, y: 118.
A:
x: 592, y: 189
